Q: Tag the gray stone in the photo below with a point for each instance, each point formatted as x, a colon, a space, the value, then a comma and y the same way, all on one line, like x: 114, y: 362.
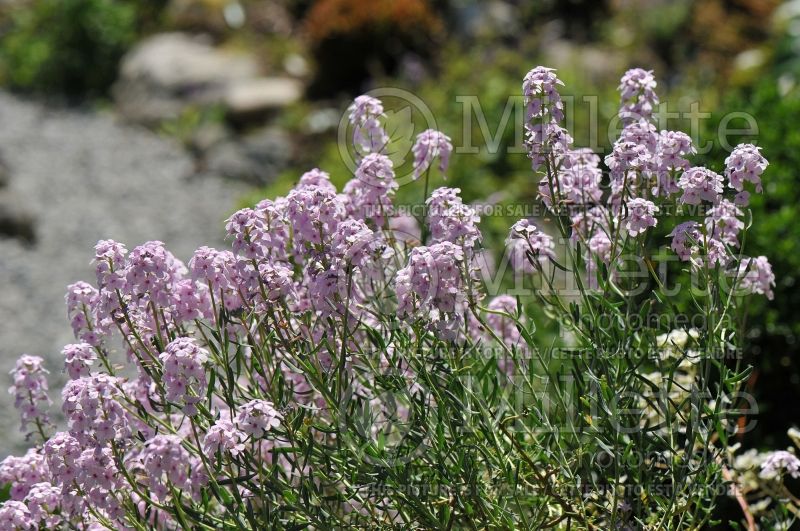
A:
x: 16, y: 221
x: 166, y: 72
x: 256, y: 158
x: 252, y: 98
x: 85, y: 177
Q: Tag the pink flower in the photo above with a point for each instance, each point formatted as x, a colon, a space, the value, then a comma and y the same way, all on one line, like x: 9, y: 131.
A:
x: 315, y: 177
x: 505, y: 327
x: 685, y: 239
x: 450, y: 220
x: 23, y: 472
x: 431, y: 144
x: 641, y: 216
x: 78, y: 358
x: 109, y: 263
x: 540, y: 93
x: 257, y: 417
x: 431, y: 288
x: 94, y: 413
x: 184, y: 373
x: 758, y: 276
x: 369, y: 193
x: 780, y: 462
x: 14, y: 515
x: 62, y: 452
x: 43, y: 500
x: 368, y: 133
x: 314, y: 213
x: 637, y: 92
x: 224, y: 436
x: 30, y: 390
x: 745, y: 163
x: 165, y: 461
x: 700, y: 184
x: 525, y: 238
x: 723, y: 223
x: 673, y: 147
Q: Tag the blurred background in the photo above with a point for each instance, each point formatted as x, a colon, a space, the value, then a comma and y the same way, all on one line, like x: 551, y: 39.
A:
x: 156, y: 119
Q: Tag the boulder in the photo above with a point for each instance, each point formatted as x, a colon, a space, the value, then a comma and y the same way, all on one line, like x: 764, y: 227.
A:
x: 16, y: 221
x: 167, y: 72
x: 247, y: 99
x: 256, y: 158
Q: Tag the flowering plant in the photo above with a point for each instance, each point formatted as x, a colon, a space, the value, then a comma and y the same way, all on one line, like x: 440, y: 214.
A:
x: 343, y: 365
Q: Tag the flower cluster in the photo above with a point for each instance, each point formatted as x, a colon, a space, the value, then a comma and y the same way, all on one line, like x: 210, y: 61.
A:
x: 745, y: 163
x: 431, y: 144
x: 335, y: 342
x: 431, y: 286
x: 450, y: 220
x: 368, y: 133
x: 184, y: 374
x: 30, y: 391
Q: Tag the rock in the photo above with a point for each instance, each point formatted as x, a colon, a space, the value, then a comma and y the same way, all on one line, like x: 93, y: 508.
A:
x: 248, y: 99
x: 15, y: 220
x: 257, y: 158
x: 85, y: 176
x: 166, y: 72
x: 5, y: 174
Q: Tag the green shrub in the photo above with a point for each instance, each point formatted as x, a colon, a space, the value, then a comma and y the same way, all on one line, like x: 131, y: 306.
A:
x: 71, y: 47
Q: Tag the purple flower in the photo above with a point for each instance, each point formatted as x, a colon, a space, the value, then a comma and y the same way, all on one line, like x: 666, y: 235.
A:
x: 15, y: 516
x: 43, y: 500
x: 540, y: 93
x: 673, y: 147
x: 99, y: 479
x: 82, y: 310
x: 685, y: 239
x: 30, y: 391
x: 191, y: 300
x: 577, y: 180
x: 23, y: 472
x: 368, y: 134
x: 369, y: 193
x: 431, y: 144
x: 94, y: 413
x: 78, y: 357
x: 526, y: 242
x: 629, y: 163
x: 224, y: 436
x: 450, y: 220
x: 780, y: 462
x: 546, y: 141
x: 62, y: 452
x: 599, y: 246
x: 313, y: 214
x: 505, y: 327
x: 723, y: 223
x: 151, y: 273
x: 217, y: 270
x: 405, y: 228
x: 641, y: 216
x: 257, y: 417
x: 758, y: 276
x: 700, y: 184
x: 357, y: 244
x: 184, y: 373
x: 109, y: 264
x: 431, y: 288
x: 637, y: 94
x: 165, y: 461
x: 745, y: 163
x: 316, y: 177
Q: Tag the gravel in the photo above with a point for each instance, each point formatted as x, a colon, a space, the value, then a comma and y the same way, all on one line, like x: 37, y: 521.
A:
x: 85, y: 176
